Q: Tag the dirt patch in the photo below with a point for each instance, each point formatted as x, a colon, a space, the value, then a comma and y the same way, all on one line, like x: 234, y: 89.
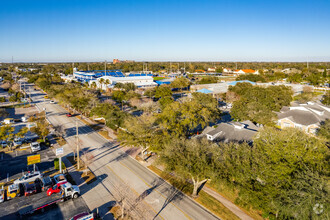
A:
x: 105, y: 134
x: 88, y: 177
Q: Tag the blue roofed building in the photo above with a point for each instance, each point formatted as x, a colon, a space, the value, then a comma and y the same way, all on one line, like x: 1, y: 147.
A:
x: 86, y: 76
x: 205, y: 91
x: 165, y: 81
x: 241, y: 81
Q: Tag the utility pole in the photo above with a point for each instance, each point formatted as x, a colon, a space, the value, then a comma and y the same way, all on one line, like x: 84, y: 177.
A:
x: 78, y: 162
x: 105, y: 67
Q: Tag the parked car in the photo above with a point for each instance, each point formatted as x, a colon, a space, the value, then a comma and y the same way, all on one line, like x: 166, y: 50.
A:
x: 24, y: 119
x: 29, y: 177
x: 30, y: 139
x: 45, y: 183
x: 52, y: 102
x: 8, y: 121
x: 56, y: 188
x: 35, y: 146
x: 29, y: 188
x: 2, y: 195
x: 83, y: 216
x: 17, y: 141
x: 59, y: 178
x: 69, y: 115
x: 13, y: 191
x: 4, y: 144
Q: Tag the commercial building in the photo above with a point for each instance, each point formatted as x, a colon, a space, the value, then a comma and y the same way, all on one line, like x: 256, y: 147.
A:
x: 106, y: 82
x: 86, y: 76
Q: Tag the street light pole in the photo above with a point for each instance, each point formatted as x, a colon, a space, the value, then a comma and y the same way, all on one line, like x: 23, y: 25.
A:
x: 78, y: 164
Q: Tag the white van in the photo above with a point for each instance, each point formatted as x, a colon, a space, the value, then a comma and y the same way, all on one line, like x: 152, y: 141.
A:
x: 24, y: 119
x: 35, y: 146
x: 8, y: 121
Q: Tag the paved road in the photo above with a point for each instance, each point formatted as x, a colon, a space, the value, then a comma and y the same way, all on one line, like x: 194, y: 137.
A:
x: 116, y: 170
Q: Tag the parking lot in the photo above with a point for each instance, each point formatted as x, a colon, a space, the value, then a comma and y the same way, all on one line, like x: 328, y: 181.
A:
x: 13, y: 164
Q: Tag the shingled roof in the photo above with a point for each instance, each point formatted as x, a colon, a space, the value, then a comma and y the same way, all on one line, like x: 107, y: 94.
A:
x: 233, y: 132
x: 305, y: 114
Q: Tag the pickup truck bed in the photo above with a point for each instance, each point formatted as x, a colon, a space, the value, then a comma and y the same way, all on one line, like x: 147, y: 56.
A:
x: 38, y: 201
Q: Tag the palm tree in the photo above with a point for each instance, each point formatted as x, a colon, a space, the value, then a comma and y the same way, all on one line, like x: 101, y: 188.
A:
x: 94, y: 85
x: 102, y: 82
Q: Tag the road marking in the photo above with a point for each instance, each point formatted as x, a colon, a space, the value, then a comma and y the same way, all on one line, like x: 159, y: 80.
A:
x: 134, y: 191
x: 185, y: 214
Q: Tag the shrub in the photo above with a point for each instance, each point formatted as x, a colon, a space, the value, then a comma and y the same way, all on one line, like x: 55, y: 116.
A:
x: 56, y: 164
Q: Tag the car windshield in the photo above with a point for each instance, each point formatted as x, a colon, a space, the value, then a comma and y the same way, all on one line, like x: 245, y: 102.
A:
x: 54, y: 187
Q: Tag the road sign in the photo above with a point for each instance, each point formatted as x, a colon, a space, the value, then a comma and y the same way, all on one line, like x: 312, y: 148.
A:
x: 59, y: 151
x: 33, y: 159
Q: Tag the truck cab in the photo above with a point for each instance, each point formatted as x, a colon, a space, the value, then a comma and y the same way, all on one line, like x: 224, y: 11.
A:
x: 13, y: 191
x: 70, y: 191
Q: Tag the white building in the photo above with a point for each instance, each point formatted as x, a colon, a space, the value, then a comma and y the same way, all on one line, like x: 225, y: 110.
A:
x: 110, y: 81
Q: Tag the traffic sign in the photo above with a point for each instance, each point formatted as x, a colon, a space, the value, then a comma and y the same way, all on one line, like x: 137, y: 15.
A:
x: 33, y: 159
x: 59, y: 151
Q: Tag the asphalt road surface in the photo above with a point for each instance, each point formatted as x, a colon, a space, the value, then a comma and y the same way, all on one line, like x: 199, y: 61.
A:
x: 117, y: 168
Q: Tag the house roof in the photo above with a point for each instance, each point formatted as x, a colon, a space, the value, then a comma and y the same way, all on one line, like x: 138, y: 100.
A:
x: 305, y: 114
x: 248, y: 70
x: 300, y: 117
x: 229, y: 132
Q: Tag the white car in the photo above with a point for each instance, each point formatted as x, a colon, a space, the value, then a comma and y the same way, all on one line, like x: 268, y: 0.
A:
x: 35, y: 146
x: 2, y: 195
x: 29, y: 177
x: 17, y: 141
x: 4, y: 144
x: 52, y: 102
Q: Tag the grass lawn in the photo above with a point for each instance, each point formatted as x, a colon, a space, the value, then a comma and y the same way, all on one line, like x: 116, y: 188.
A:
x: 203, y: 198
x: 158, y: 78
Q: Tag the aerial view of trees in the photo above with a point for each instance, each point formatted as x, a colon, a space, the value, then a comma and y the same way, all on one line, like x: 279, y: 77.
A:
x: 258, y: 104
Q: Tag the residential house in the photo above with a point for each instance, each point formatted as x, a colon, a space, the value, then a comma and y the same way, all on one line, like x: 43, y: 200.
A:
x: 246, y: 71
x: 231, y: 132
x: 307, y: 117
x: 227, y: 70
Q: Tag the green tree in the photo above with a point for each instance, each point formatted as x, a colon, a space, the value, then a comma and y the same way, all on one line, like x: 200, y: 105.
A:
x: 140, y: 132
x: 163, y: 91
x: 7, y: 134
x: 180, y: 83
x: 190, y: 159
x: 324, y: 130
x: 326, y: 98
x: 41, y: 129
x: 283, y: 159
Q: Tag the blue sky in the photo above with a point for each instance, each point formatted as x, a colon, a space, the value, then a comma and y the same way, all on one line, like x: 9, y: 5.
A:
x: 172, y: 30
